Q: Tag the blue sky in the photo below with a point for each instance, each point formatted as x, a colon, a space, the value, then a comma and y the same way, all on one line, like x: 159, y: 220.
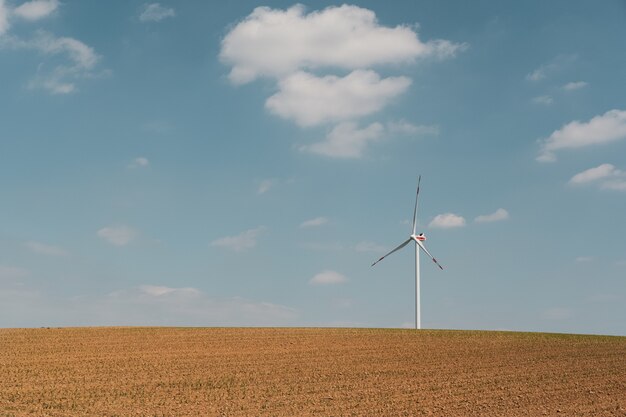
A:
x: 244, y: 164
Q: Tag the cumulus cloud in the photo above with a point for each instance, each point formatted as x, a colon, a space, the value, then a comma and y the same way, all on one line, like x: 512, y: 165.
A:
x: 594, y: 174
x: 241, y: 242
x: 44, y: 249
x: 447, y: 221
x: 575, y: 85
x: 117, y: 235
x: 36, y: 9
x: 140, y: 162
x: 323, y: 65
x: 318, y: 221
x: 328, y: 278
x: 346, y: 140
x: 498, y: 215
x: 605, y: 128
x: 275, y: 43
x: 605, y: 175
x: 154, y: 12
x: 310, y: 100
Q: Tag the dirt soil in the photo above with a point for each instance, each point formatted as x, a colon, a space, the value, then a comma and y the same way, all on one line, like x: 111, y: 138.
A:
x: 304, y: 372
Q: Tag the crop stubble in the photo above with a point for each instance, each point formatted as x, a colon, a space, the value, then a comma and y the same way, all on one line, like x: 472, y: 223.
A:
x: 299, y: 372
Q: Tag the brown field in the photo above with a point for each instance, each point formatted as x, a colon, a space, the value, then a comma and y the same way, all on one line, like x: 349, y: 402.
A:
x: 301, y: 372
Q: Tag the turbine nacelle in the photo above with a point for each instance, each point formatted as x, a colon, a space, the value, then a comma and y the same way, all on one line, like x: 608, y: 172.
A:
x: 421, y: 237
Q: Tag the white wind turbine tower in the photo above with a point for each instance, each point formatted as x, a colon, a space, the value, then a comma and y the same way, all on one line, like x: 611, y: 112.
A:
x: 418, y: 239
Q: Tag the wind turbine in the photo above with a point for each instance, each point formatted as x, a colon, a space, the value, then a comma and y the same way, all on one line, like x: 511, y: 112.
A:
x: 418, y: 239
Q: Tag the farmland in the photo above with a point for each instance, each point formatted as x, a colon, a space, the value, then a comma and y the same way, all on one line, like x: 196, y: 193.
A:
x: 300, y: 372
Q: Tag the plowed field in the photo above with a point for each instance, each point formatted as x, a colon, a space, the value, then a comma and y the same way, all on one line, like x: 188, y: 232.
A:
x: 302, y: 372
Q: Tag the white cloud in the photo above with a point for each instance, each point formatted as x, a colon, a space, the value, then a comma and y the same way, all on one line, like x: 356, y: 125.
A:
x: 4, y: 18
x: 606, y: 128
x: 575, y: 85
x: 265, y: 186
x: 158, y: 291
x: 139, y: 162
x: 117, y: 235
x: 406, y: 128
x: 367, y: 246
x: 346, y: 140
x: 447, y: 221
x: 328, y: 278
x: 146, y: 305
x: 318, y: 221
x: 242, y: 241
x: 10, y: 273
x: 275, y: 43
x: 154, y: 12
x: 584, y: 259
x: 498, y: 215
x: 545, y: 100
x: 36, y: 9
x: 80, y: 61
x: 594, y: 174
x: 310, y: 100
x: 606, y: 176
x: 556, y: 64
x: 45, y: 249
x: 324, y: 246
x: 615, y: 184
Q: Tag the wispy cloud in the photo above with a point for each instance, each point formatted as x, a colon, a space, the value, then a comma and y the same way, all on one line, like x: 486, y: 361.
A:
x: 154, y: 12
x: 265, y: 186
x: 80, y: 61
x: 551, y: 67
x: 367, y: 246
x: 447, y: 221
x: 545, y: 100
x: 45, y: 249
x: 558, y: 313
x: 117, y: 235
x: 317, y: 221
x: 241, y: 242
x: 498, y: 215
x: 145, y: 305
x: 328, y: 278
x: 140, y: 162
x: 606, y: 128
x: 575, y: 85
x: 11, y: 273
x: 4, y: 18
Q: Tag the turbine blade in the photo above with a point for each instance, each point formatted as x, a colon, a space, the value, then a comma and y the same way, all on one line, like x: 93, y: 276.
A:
x: 417, y: 193
x: 403, y: 244
x: 421, y: 245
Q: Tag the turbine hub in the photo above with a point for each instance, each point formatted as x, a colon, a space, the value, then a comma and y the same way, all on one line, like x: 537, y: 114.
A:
x: 419, y: 237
